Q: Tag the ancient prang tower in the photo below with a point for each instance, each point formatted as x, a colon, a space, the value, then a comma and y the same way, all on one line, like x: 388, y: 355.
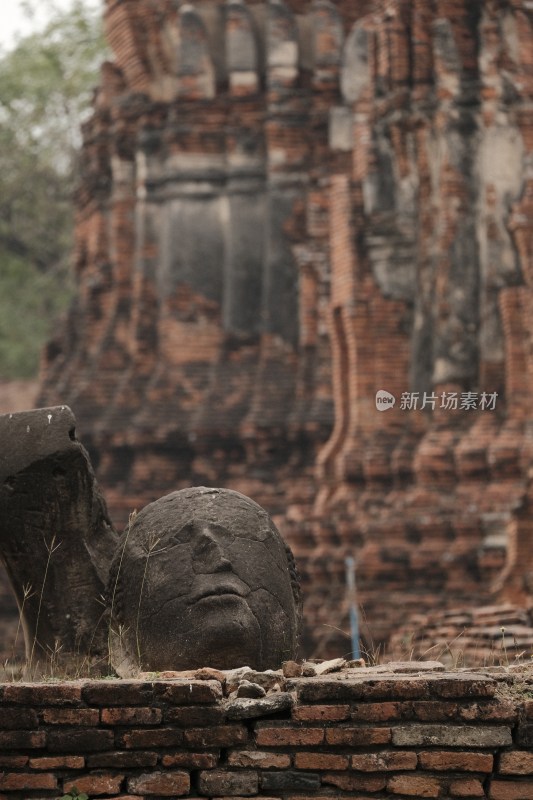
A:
x: 286, y: 207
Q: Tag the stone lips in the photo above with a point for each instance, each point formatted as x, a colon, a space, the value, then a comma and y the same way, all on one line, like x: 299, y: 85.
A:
x: 269, y: 234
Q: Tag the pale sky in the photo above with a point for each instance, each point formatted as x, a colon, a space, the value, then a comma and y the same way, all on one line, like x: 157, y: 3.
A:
x: 14, y: 22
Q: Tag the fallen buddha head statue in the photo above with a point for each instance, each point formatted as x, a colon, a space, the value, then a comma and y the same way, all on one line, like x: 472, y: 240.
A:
x: 203, y: 578
x: 200, y: 577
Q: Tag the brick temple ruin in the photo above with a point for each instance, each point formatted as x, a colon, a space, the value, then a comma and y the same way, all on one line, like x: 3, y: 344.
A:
x: 284, y: 208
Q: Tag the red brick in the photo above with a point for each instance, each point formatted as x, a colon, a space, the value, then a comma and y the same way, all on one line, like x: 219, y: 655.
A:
x: 43, y: 694
x: 467, y: 787
x: 220, y: 736
x: 375, y: 688
x: 401, y: 687
x: 357, y: 737
x: 377, y: 712
x: 319, y: 713
x: 184, y: 693
x: 95, y: 784
x: 259, y: 759
x: 194, y: 716
x: 518, y: 763
x: 289, y: 780
x: 511, y: 790
x: 320, y: 761
x: 165, y: 784
x: 13, y: 762
x: 131, y: 716
x: 464, y: 762
x: 82, y: 741
x: 12, y: 781
x: 156, y: 737
x: 71, y: 716
x: 355, y: 783
x: 215, y: 782
x: 462, y: 686
x: 191, y: 760
x: 452, y: 735
x: 12, y: 718
x: 384, y: 761
x: 435, y: 710
x: 490, y: 711
x: 118, y: 693
x: 414, y: 786
x: 123, y: 759
x: 524, y: 735
x: 58, y: 762
x: 22, y: 740
x: 283, y: 736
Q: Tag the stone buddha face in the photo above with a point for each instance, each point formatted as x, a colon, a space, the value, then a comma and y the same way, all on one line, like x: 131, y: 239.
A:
x: 203, y: 578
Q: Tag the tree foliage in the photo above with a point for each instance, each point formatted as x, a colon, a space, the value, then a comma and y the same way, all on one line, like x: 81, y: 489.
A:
x: 46, y: 83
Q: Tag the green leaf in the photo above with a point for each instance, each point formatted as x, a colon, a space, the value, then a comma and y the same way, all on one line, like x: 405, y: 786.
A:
x: 74, y: 793
x: 46, y: 85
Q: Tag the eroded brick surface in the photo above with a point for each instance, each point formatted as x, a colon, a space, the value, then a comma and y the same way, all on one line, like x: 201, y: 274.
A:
x: 339, y: 751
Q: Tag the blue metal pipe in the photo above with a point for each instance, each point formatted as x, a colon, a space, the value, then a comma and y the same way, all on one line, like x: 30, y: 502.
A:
x: 352, y: 599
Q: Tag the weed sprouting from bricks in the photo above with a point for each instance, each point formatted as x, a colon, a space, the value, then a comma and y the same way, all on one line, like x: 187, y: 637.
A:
x: 74, y: 794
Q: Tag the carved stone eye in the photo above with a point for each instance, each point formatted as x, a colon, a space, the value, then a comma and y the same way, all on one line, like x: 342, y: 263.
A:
x: 184, y: 535
x: 196, y: 531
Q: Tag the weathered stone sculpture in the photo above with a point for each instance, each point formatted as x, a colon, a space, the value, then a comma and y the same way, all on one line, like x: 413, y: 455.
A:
x: 56, y: 539
x: 200, y: 577
x: 203, y: 577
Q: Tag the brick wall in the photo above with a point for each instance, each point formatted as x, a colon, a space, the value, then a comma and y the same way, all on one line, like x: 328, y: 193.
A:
x: 408, y: 730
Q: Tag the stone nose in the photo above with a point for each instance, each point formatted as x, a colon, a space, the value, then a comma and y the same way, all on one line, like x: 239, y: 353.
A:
x: 209, y: 555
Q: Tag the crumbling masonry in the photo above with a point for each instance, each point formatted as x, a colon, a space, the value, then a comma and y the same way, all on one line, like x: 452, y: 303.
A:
x: 284, y: 208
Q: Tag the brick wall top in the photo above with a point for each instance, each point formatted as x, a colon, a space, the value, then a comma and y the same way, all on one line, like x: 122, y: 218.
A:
x: 397, y: 730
